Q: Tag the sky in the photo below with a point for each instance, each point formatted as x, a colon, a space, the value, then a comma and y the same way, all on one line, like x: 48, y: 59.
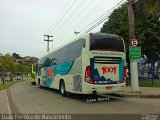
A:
x: 23, y: 23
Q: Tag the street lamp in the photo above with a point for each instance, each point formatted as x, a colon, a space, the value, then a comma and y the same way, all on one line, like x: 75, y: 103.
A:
x: 76, y: 33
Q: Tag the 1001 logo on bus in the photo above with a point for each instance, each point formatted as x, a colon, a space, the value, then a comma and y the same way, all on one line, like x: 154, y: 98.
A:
x: 108, y: 70
x: 50, y: 72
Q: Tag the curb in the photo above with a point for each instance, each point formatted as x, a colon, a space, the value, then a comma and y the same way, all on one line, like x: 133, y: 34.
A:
x: 11, y: 99
x: 137, y: 95
x: 7, y: 103
x: 132, y: 95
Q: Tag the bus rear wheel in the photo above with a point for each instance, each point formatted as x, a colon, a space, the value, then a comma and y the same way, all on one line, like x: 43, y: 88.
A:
x: 62, y: 89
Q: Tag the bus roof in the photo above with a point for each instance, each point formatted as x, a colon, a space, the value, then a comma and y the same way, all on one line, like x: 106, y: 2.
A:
x: 110, y: 35
x: 73, y: 40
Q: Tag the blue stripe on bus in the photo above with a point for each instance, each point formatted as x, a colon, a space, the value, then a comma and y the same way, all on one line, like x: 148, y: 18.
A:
x: 63, y: 68
x: 48, y: 82
x: 121, y: 70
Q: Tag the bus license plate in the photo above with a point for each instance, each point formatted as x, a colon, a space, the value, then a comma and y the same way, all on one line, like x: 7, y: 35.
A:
x: 109, y: 87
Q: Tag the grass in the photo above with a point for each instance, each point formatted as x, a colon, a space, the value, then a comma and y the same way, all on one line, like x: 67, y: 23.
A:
x: 145, y: 82
x: 7, y: 84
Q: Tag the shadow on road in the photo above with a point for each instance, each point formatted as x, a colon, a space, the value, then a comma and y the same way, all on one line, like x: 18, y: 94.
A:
x: 86, y: 98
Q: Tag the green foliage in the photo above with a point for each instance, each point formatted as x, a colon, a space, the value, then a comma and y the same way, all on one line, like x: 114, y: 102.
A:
x: 147, y: 28
x: 5, y: 86
x: 7, y: 65
x: 152, y: 7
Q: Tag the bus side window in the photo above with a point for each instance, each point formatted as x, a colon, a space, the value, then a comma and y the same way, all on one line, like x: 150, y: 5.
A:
x: 64, y: 54
x: 39, y: 69
x: 75, y: 50
x: 56, y: 57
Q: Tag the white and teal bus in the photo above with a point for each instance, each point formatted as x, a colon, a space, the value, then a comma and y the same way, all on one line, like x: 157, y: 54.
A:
x: 92, y: 64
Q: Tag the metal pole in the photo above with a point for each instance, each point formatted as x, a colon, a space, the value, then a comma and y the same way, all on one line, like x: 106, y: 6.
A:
x: 48, y: 41
x: 47, y: 46
x: 133, y: 63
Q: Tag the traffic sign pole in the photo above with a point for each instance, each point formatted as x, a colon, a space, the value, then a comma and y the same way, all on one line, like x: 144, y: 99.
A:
x: 134, y: 54
x: 134, y: 76
x: 133, y: 63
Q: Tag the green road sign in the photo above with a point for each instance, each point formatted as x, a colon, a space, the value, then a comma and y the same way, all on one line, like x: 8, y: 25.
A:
x: 134, y: 53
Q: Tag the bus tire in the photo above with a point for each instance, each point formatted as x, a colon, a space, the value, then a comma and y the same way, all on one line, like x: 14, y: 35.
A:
x: 62, y: 88
x: 33, y: 83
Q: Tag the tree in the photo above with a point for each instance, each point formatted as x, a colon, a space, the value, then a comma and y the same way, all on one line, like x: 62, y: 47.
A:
x: 147, y: 22
x: 153, y: 7
x: 1, y: 68
x: 6, y: 66
x: 118, y: 24
x: 26, y: 70
x: 9, y: 67
x: 16, y: 56
x: 1, y: 61
x: 147, y: 29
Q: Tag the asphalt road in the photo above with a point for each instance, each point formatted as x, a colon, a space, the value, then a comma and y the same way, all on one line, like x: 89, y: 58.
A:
x: 27, y: 99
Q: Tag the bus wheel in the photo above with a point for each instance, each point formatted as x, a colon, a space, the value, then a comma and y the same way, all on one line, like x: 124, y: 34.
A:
x: 62, y: 89
x: 33, y: 83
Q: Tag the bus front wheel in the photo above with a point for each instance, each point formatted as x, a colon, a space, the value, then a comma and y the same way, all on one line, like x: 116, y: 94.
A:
x: 62, y: 89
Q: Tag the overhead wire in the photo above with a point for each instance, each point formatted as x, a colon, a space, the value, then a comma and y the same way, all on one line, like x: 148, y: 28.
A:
x: 101, y: 19
x: 94, y: 7
x: 89, y: 27
x: 98, y: 23
x: 53, y: 24
x: 71, y: 15
x: 67, y: 28
x: 63, y: 16
x: 76, y: 16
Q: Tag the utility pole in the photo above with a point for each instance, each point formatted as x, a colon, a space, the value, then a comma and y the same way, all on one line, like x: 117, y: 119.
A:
x: 48, y: 36
x: 133, y: 63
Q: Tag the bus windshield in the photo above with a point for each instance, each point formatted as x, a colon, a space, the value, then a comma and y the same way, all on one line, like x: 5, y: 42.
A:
x: 106, y: 43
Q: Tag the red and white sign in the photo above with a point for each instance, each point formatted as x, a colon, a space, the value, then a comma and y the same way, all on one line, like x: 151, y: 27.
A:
x: 134, y: 42
x: 50, y: 72
x: 108, y: 70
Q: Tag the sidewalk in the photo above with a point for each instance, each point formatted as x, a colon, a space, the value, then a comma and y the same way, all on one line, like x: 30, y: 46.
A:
x: 4, y: 103
x: 145, y: 92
